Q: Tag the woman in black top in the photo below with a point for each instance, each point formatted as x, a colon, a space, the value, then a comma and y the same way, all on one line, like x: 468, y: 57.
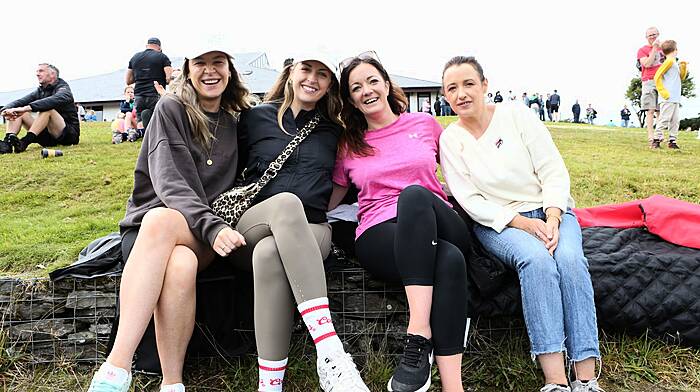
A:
x: 286, y: 228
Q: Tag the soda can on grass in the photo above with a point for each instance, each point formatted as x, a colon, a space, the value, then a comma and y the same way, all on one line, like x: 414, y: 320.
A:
x: 50, y: 153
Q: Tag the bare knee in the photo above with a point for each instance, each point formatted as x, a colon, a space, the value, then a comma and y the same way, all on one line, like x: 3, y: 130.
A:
x: 182, y: 268
x: 160, y: 223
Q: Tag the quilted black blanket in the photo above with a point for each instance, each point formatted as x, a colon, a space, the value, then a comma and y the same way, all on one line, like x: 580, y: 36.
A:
x: 641, y: 282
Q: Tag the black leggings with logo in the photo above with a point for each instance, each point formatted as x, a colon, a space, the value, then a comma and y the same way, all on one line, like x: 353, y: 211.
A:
x: 424, y: 245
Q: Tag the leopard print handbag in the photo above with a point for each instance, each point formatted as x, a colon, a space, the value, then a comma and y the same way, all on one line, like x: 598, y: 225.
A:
x: 231, y: 204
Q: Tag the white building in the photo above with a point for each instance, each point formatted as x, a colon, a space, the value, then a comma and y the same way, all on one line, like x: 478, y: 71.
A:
x: 103, y: 93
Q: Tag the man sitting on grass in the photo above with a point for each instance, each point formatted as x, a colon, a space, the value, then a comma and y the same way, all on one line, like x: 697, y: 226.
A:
x: 57, y: 121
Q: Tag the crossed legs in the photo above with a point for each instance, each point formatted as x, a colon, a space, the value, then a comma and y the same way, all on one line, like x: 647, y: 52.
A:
x: 159, y: 279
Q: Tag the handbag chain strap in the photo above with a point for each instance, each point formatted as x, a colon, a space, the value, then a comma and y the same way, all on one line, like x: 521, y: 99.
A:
x: 276, y: 165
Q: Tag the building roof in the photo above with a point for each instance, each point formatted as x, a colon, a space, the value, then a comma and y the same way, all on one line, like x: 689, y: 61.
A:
x: 254, y: 68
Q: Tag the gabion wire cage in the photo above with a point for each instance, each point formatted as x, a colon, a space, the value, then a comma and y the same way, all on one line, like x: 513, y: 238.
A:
x: 48, y: 322
x: 71, y: 320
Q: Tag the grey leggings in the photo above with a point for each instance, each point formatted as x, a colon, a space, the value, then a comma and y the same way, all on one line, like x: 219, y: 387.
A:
x: 287, y: 263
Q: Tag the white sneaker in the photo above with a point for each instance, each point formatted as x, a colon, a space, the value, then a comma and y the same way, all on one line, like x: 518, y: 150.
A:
x: 554, y: 388
x: 337, y: 373
x: 110, y: 378
x: 590, y: 386
x: 173, y: 388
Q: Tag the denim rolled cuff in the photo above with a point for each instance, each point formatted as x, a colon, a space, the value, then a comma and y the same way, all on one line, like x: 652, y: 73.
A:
x: 593, y: 352
x: 550, y: 348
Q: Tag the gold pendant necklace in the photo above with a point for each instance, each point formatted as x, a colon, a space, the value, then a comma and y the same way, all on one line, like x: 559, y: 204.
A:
x: 213, y: 140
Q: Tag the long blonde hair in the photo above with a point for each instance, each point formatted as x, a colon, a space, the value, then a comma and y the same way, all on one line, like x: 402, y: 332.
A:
x: 329, y: 105
x: 234, y: 99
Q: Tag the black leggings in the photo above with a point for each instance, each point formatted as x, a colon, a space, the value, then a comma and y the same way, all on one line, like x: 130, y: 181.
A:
x: 424, y: 245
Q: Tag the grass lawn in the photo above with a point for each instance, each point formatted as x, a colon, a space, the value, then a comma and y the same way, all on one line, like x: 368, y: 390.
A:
x: 51, y: 208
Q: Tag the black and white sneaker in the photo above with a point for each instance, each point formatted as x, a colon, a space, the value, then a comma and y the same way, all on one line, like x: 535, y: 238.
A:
x: 5, y: 147
x: 413, y: 372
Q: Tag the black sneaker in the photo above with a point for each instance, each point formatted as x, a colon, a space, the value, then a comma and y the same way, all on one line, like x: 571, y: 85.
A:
x: 12, y: 140
x: 5, y: 147
x: 22, y: 145
x: 672, y: 144
x: 413, y: 372
x: 655, y: 144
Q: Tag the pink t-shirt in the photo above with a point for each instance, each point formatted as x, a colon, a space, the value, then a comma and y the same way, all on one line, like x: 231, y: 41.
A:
x: 648, y: 73
x: 405, y: 153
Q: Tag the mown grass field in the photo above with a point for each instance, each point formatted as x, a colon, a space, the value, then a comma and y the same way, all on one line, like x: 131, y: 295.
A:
x: 51, y: 208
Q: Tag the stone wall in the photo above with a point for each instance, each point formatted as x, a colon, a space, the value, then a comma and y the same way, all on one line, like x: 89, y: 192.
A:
x: 65, y: 320
x: 71, y: 319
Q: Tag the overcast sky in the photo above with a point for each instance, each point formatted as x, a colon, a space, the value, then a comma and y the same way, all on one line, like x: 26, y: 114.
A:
x: 585, y: 49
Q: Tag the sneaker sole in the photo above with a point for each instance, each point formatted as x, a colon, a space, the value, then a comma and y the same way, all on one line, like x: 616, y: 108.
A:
x: 424, y: 388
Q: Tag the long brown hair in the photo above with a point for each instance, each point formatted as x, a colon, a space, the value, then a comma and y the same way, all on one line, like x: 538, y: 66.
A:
x: 283, y: 93
x: 234, y: 99
x: 352, y: 140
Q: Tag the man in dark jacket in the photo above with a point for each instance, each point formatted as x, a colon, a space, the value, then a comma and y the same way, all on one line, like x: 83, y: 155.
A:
x: 576, y: 109
x: 146, y: 69
x: 57, y: 121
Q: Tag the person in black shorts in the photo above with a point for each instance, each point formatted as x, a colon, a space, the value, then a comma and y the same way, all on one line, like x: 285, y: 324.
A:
x: 145, y: 69
x: 57, y: 121
x: 554, y: 102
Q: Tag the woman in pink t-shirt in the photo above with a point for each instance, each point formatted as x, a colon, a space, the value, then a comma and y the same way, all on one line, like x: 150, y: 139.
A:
x: 407, y: 230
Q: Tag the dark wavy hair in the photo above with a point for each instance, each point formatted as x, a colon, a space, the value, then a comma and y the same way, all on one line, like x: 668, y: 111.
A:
x: 352, y: 140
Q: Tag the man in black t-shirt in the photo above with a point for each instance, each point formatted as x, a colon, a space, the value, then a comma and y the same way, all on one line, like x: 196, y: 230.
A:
x: 554, y: 102
x: 145, y: 69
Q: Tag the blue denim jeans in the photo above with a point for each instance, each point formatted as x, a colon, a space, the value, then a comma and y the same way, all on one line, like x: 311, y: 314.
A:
x: 557, y: 293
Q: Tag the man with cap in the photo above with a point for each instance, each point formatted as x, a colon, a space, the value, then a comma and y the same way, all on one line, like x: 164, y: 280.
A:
x: 145, y: 70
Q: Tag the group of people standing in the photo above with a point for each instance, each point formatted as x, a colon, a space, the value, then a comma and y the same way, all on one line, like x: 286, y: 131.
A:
x: 204, y: 136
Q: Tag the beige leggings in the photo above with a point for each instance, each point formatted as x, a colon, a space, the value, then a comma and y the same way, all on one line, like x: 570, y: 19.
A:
x: 287, y: 262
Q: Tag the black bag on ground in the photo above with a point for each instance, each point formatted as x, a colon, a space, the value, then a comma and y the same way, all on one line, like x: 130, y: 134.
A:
x: 102, y: 257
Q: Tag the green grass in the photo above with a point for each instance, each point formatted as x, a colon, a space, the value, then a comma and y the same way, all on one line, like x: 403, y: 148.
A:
x: 51, y: 208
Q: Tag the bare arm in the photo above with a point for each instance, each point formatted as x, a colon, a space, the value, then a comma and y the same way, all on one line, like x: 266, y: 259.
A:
x: 337, y: 196
x: 649, y: 60
x: 129, y: 79
x: 168, y: 74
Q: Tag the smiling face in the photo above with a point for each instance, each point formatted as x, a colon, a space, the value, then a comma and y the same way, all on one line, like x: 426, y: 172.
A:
x: 464, y: 90
x: 652, y: 35
x: 310, y: 81
x: 209, y: 75
x: 369, y: 92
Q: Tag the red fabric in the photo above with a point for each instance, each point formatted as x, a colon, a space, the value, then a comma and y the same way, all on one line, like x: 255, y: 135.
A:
x: 673, y: 220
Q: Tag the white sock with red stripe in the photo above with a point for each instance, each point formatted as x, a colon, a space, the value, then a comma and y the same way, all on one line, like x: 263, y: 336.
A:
x: 317, y: 317
x: 271, y: 375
